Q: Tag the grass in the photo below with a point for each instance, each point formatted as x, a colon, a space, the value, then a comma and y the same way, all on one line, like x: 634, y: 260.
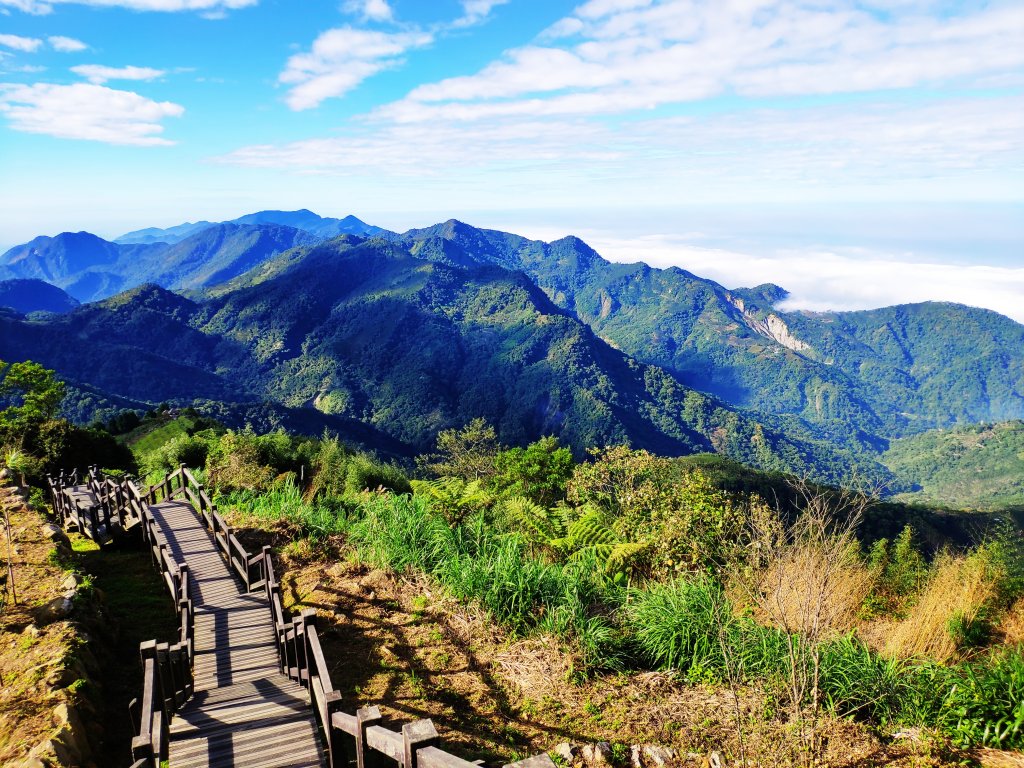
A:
x: 475, y: 562
x: 145, y: 439
x: 950, y: 613
x: 315, y: 520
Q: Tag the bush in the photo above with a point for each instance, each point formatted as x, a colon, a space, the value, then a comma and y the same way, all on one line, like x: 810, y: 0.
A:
x: 953, y: 609
x: 538, y: 472
x: 366, y: 474
x: 975, y: 704
x: 681, y: 625
x: 315, y: 521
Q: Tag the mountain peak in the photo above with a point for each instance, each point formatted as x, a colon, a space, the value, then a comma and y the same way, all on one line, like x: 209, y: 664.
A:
x: 149, y: 296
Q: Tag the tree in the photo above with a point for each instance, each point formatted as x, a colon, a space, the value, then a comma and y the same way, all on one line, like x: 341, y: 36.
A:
x: 468, y: 453
x: 32, y: 395
x: 539, y: 471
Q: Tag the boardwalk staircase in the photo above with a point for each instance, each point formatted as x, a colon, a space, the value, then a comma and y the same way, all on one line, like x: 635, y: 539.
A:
x: 245, y: 682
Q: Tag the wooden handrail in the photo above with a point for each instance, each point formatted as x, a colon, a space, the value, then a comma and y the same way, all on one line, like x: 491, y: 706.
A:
x: 167, y: 669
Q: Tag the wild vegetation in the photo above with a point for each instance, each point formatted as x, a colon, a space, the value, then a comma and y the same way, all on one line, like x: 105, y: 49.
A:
x: 638, y: 562
x: 755, y: 584
x: 391, y: 338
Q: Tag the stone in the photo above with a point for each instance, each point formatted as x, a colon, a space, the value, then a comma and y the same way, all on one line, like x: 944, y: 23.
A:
x: 659, y: 756
x: 66, y: 748
x: 54, y: 532
x: 55, y: 610
x: 597, y: 755
x: 566, y: 751
x: 715, y: 760
x: 636, y: 758
x: 71, y: 582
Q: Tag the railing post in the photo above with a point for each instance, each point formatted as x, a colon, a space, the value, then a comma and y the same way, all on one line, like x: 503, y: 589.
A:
x: 365, y: 717
x: 416, y: 736
x: 297, y: 648
x: 335, y: 747
x: 184, y: 590
x: 308, y: 619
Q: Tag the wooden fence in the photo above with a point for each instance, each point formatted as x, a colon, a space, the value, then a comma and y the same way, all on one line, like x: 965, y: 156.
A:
x: 357, y: 740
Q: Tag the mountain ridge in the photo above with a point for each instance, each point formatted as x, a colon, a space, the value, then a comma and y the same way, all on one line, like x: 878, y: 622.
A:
x: 841, y: 385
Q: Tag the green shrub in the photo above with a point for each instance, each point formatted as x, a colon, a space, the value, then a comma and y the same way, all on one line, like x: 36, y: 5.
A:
x: 315, y: 521
x: 364, y: 473
x: 975, y: 704
x: 538, y: 472
x: 475, y: 562
x: 857, y: 681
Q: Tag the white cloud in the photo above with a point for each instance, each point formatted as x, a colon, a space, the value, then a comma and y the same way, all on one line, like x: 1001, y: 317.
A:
x: 18, y: 43
x: 475, y: 11
x: 66, y: 44
x: 812, y: 152
x: 85, y: 111
x: 822, y: 280
x: 371, y: 10
x: 342, y: 58
x: 40, y: 7
x: 624, y: 55
x: 99, y: 74
x: 35, y: 7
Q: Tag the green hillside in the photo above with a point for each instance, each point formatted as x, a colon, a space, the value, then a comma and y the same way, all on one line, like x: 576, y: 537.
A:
x: 361, y: 330
x: 973, y: 467
x: 854, y: 378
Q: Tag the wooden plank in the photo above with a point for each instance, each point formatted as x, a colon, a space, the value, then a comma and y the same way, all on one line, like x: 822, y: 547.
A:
x: 243, y: 711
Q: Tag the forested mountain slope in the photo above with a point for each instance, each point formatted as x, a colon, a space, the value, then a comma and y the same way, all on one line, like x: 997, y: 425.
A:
x: 871, y: 375
x: 363, y: 330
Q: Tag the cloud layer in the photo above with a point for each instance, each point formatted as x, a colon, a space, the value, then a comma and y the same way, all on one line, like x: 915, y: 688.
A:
x: 42, y: 7
x: 615, y: 57
x: 99, y: 74
x: 821, y: 280
x: 342, y: 58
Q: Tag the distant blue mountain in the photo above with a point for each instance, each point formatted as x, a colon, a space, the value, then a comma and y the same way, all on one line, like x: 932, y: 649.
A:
x: 26, y: 296
x: 304, y: 219
x: 188, y: 256
x: 169, y: 235
x: 86, y: 266
x: 310, y: 222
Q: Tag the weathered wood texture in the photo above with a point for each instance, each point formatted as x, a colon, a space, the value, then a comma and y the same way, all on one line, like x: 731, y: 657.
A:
x: 243, y: 710
x: 246, y: 684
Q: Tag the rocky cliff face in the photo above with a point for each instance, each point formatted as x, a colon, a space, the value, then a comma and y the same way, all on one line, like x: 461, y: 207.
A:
x: 771, y: 326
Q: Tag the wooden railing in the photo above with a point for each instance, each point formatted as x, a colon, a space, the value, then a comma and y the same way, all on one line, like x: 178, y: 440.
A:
x: 357, y: 740
x: 167, y: 681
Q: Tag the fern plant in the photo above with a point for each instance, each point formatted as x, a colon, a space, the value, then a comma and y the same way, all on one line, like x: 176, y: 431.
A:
x: 573, y: 534
x: 454, y: 497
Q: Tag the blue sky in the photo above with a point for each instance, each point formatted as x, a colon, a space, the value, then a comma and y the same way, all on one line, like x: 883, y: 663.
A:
x: 834, y: 147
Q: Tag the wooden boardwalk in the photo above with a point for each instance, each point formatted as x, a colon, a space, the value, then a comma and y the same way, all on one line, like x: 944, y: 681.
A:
x: 246, y: 682
x: 243, y: 711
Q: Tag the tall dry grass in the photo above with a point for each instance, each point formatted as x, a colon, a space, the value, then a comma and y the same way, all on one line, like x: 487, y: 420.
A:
x: 815, y: 589
x: 1012, y: 625
x: 957, y: 595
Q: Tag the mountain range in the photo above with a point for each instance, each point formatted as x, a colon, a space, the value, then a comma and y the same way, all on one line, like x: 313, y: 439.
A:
x: 188, y: 256
x: 415, y: 332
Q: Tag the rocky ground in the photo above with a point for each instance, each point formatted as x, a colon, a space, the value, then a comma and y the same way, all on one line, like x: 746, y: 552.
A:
x: 48, y: 670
